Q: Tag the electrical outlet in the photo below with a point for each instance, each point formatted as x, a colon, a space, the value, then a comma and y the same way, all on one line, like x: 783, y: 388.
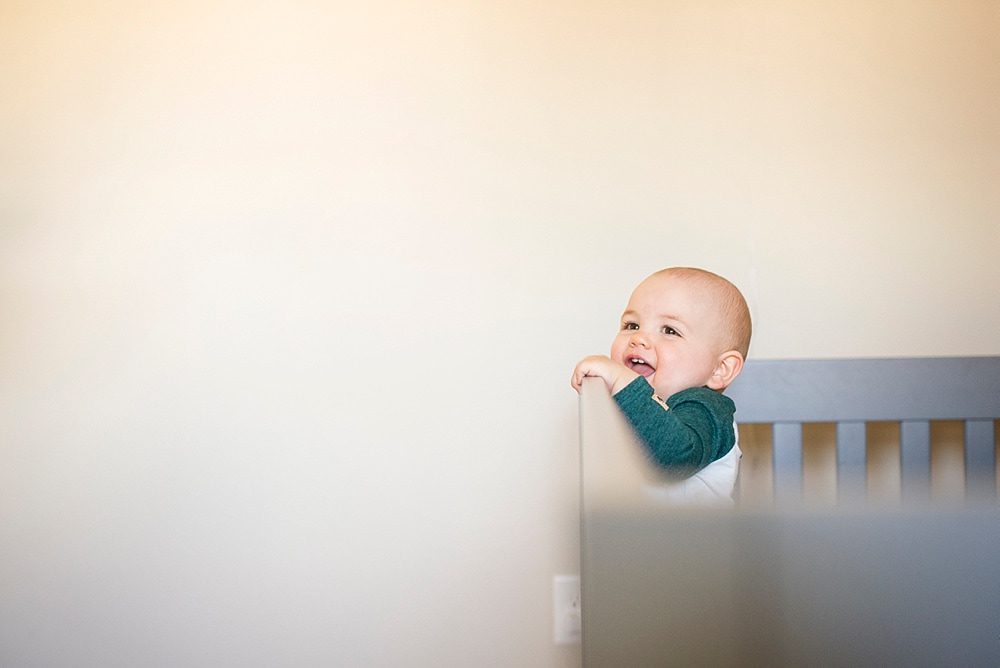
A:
x: 567, y: 609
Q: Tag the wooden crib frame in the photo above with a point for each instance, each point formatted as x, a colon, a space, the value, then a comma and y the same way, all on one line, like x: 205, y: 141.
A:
x: 885, y: 431
x: 866, y: 531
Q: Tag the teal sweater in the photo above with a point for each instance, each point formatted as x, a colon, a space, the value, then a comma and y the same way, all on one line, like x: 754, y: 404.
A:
x: 693, y: 432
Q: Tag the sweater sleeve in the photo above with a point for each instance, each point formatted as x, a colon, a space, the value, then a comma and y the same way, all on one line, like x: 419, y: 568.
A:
x: 694, y: 429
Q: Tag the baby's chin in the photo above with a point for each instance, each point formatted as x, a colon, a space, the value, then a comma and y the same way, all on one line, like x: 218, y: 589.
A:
x: 657, y: 387
x: 662, y: 390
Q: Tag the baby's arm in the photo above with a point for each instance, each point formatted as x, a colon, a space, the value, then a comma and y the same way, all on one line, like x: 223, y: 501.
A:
x: 616, y: 376
x: 694, y: 431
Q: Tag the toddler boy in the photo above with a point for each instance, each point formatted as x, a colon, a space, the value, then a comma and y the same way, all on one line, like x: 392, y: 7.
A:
x: 683, y: 339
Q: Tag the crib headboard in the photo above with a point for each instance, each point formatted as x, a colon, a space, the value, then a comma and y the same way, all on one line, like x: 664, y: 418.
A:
x: 910, y: 430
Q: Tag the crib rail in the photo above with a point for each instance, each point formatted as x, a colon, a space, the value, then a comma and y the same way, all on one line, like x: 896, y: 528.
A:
x: 614, y: 468
x: 869, y: 431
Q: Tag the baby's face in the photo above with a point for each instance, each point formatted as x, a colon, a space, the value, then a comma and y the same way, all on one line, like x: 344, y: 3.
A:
x: 670, y: 333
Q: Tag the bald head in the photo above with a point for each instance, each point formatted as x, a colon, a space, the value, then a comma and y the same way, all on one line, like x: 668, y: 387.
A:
x: 727, y: 299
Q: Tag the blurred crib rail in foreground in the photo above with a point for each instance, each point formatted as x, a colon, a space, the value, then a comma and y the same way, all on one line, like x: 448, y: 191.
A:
x: 890, y: 432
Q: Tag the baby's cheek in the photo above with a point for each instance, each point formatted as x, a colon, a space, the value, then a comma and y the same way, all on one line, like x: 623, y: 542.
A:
x: 617, y: 346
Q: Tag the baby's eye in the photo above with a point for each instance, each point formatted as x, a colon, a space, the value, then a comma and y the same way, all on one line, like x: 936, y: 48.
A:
x: 630, y: 325
x: 669, y: 331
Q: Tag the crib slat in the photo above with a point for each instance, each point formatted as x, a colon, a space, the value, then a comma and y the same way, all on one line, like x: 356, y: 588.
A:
x: 851, y: 463
x: 788, y: 462
x: 980, y: 464
x: 915, y: 454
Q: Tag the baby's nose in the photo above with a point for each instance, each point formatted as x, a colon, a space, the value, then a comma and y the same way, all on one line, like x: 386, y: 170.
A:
x: 638, y: 339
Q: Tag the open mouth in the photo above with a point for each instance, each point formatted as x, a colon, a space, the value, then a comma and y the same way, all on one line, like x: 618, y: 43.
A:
x: 640, y: 366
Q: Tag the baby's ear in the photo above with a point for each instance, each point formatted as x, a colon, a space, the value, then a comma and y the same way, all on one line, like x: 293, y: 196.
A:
x: 729, y: 366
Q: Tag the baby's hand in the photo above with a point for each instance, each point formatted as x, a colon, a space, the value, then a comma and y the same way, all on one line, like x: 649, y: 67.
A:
x: 615, y: 375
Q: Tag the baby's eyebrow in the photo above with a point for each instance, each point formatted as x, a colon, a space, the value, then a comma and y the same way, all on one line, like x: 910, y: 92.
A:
x: 663, y: 316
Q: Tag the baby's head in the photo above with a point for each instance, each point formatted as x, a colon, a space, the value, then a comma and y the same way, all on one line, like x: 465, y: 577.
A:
x: 684, y: 328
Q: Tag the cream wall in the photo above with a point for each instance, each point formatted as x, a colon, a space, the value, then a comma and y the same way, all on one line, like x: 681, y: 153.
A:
x: 291, y: 295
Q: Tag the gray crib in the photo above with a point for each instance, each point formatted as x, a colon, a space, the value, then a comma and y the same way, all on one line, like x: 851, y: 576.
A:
x: 866, y: 532
x: 891, y: 431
